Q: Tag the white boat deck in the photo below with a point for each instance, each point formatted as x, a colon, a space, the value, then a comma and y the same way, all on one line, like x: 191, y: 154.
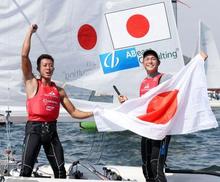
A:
x: 128, y: 173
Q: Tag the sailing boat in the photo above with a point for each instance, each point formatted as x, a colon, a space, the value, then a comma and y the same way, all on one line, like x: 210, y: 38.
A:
x: 80, y: 172
x: 87, y: 51
x: 212, y: 65
x: 75, y: 44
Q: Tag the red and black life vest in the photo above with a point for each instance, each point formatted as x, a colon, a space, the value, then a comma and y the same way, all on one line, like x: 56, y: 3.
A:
x: 45, y: 105
x: 149, y: 83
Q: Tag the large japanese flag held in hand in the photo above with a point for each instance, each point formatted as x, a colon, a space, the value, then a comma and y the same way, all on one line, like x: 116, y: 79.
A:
x: 177, y: 106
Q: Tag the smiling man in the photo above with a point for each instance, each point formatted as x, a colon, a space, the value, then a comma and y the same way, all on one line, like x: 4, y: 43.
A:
x: 153, y: 152
x: 43, y: 105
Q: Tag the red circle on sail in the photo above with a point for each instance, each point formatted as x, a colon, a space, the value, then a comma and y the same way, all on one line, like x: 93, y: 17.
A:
x: 161, y: 108
x: 87, y: 37
x: 138, y: 26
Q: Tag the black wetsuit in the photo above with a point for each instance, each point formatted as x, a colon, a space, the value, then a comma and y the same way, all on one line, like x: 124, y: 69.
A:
x: 42, y: 134
x: 154, y: 153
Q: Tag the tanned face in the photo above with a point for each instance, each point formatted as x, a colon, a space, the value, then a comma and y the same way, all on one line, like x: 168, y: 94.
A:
x: 151, y: 63
x: 46, y: 68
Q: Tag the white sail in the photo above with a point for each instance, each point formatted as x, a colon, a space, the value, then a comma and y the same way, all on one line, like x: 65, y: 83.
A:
x: 212, y: 65
x: 80, y: 35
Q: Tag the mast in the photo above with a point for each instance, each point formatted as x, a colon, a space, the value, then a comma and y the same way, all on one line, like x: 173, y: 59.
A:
x: 174, y: 2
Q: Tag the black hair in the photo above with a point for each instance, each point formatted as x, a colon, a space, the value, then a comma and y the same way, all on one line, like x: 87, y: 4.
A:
x: 151, y: 52
x: 43, y: 56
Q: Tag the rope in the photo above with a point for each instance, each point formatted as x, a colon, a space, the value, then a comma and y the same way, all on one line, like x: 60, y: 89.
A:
x: 29, y: 22
x: 98, y: 148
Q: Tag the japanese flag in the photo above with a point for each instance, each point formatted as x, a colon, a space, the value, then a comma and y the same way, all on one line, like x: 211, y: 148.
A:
x: 138, y: 25
x: 177, y: 106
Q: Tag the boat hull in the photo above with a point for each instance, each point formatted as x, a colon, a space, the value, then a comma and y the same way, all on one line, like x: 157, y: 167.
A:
x: 127, y: 173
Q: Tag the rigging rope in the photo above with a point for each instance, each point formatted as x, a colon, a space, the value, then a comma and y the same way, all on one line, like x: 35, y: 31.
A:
x: 96, y: 149
x: 29, y: 23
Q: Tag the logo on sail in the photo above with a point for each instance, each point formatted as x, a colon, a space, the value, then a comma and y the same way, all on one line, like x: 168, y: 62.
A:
x: 119, y: 60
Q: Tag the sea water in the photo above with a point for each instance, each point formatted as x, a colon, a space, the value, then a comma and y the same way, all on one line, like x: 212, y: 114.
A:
x: 198, y: 150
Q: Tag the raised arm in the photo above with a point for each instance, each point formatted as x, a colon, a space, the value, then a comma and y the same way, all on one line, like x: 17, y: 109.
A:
x: 70, y: 108
x: 29, y: 79
x: 26, y: 64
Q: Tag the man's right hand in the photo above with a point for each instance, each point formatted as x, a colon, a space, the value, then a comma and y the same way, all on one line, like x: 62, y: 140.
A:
x: 34, y: 28
x: 122, y: 98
